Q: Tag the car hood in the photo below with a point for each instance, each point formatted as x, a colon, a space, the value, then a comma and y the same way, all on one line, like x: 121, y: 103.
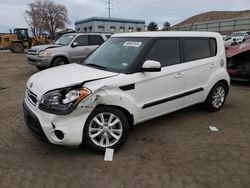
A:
x: 64, y: 76
x: 238, y: 49
x: 38, y: 48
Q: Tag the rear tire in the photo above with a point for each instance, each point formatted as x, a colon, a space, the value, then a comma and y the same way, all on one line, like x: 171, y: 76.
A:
x: 106, y: 127
x: 40, y: 68
x: 216, y: 97
x: 58, y: 61
x: 17, y: 47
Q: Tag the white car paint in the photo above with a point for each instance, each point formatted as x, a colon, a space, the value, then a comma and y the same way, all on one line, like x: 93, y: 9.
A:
x: 104, y: 86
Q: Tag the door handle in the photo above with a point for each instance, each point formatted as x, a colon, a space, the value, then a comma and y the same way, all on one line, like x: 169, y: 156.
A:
x: 179, y: 75
x: 212, y: 65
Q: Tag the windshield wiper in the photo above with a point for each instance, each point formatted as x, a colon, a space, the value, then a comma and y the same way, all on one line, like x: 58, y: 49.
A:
x: 60, y: 44
x: 95, y: 65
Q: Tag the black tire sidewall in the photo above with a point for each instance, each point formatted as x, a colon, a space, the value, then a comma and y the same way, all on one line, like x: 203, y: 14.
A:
x: 125, y: 126
x: 209, y: 101
x: 55, y: 62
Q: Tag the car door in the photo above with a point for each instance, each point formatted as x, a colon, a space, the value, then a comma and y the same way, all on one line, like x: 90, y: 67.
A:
x: 79, y: 49
x: 160, y: 92
x: 201, y: 60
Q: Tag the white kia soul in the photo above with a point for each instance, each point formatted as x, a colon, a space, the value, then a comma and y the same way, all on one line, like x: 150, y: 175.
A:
x: 131, y: 78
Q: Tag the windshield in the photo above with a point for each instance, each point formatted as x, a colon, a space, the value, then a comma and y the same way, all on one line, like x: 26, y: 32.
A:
x: 116, y: 54
x: 64, y: 40
x: 237, y: 34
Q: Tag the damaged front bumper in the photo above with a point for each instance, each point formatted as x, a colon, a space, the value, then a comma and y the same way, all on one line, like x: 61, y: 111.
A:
x: 57, y: 129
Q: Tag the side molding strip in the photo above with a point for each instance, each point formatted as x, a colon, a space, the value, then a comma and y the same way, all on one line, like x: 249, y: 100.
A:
x: 172, y: 98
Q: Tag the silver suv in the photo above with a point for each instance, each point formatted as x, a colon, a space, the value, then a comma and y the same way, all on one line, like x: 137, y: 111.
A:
x: 69, y: 48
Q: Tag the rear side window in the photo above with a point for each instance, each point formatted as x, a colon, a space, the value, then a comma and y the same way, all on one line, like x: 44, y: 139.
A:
x: 196, y: 48
x: 95, y: 40
x: 213, y: 46
x: 166, y: 51
x: 82, y: 40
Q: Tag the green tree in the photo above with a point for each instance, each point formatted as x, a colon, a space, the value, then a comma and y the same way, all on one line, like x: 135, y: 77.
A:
x: 166, y: 26
x: 152, y: 26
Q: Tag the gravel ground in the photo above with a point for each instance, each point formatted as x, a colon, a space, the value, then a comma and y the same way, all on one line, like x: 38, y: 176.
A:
x: 177, y: 150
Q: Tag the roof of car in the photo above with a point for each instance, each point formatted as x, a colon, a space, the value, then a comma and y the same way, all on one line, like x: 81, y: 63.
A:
x: 168, y: 34
x: 74, y: 33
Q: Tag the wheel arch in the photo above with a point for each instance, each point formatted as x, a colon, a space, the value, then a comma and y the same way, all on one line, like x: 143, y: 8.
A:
x: 57, y: 56
x: 129, y: 116
x: 225, y: 82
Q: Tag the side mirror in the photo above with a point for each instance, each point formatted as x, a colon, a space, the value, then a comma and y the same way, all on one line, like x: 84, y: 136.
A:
x: 74, y: 44
x: 151, y: 66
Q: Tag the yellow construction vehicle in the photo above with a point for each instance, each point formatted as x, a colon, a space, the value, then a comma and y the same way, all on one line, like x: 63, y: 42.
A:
x: 18, y: 41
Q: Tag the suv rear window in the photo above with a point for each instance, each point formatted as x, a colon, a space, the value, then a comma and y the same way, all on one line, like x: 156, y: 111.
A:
x: 213, y: 46
x: 95, y: 40
x: 196, y: 48
x: 166, y: 51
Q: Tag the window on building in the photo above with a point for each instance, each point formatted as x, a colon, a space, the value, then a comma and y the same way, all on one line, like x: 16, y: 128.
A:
x: 101, y: 28
x: 196, y: 48
x: 166, y: 51
x: 139, y: 29
x: 85, y: 29
x: 82, y: 40
x: 95, y: 40
x: 130, y: 29
x: 112, y: 29
x: 90, y: 28
x: 122, y: 29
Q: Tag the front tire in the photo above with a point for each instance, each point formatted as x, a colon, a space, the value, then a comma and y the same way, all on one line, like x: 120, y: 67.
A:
x: 16, y: 47
x: 58, y: 61
x: 216, y: 97
x: 40, y: 68
x: 106, y: 127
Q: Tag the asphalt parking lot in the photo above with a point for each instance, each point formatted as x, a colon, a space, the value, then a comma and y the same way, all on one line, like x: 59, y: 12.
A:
x: 177, y: 150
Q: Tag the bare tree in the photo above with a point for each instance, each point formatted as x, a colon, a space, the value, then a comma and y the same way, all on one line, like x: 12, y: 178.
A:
x: 45, y: 15
x: 34, y: 18
x: 55, y: 17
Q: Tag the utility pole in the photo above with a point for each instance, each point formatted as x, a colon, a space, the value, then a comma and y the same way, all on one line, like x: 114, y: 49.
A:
x: 109, y: 6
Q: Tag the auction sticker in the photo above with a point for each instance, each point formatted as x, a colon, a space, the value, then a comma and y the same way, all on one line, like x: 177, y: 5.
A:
x: 135, y: 44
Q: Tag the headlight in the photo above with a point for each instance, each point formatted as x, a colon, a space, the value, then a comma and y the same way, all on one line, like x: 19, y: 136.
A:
x: 63, y: 101
x: 44, y: 53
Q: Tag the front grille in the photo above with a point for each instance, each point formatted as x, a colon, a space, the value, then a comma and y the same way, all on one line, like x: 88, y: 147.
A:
x: 33, y: 124
x: 32, y: 97
x: 32, y: 52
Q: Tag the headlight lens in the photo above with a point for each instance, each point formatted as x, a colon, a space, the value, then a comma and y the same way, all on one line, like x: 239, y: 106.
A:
x: 63, y: 101
x: 44, y: 53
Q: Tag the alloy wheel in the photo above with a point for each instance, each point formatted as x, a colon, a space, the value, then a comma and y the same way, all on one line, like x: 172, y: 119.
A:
x: 105, y: 129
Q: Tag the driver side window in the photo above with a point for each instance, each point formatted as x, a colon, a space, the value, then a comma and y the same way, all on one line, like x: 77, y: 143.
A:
x: 82, y: 40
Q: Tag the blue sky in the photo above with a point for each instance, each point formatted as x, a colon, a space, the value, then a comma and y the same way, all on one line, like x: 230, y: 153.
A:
x: 174, y: 11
